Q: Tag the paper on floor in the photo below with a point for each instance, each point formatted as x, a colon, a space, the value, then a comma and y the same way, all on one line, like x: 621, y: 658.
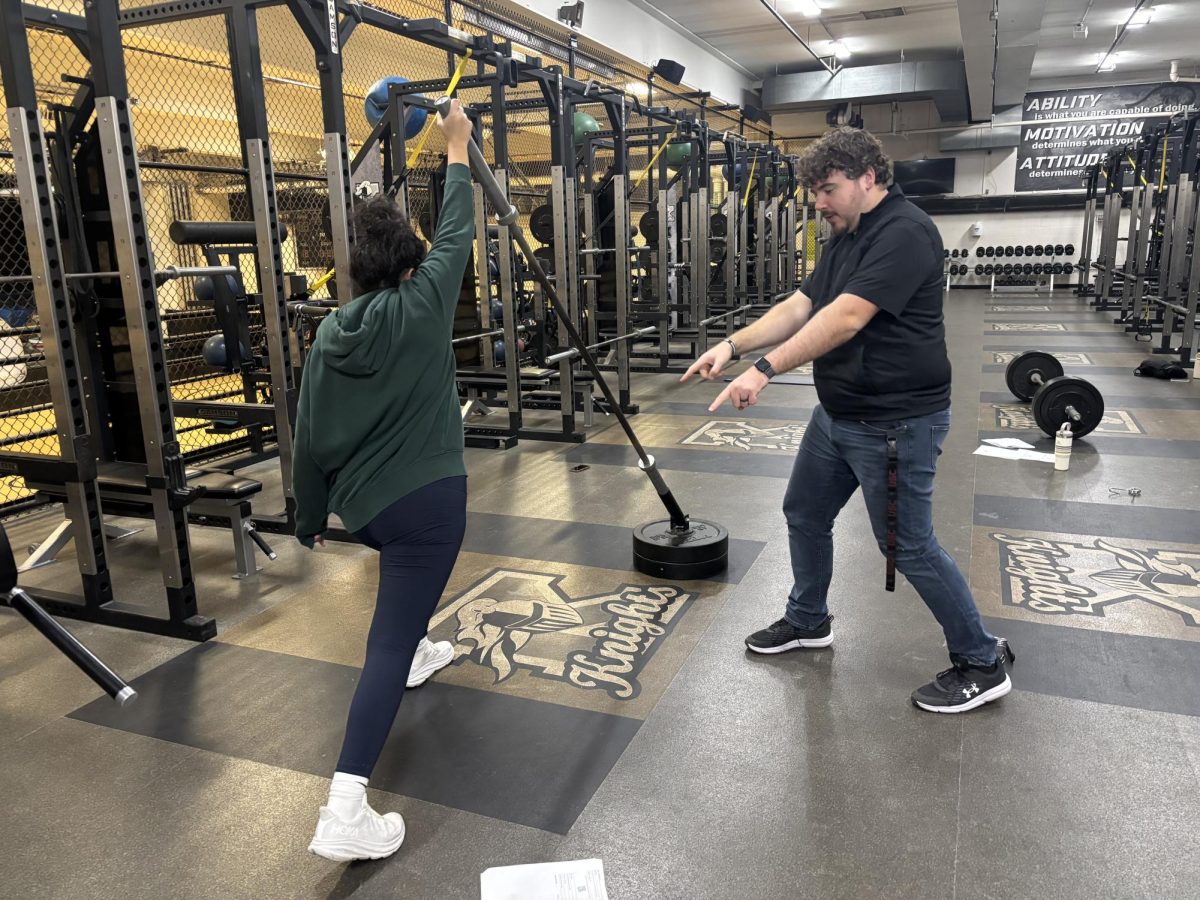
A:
x: 1031, y: 455
x: 581, y: 879
x: 1009, y: 443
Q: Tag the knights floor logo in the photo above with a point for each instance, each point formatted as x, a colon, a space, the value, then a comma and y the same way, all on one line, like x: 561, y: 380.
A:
x: 742, y: 435
x: 512, y: 621
x: 1084, y: 579
x: 1028, y: 326
x: 1067, y: 359
x: 1018, y: 309
x: 1020, y: 418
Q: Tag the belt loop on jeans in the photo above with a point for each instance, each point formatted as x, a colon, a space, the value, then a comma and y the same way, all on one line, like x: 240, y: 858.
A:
x: 893, y: 502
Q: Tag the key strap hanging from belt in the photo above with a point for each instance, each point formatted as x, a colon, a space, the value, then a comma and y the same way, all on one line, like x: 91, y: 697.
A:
x: 893, y: 503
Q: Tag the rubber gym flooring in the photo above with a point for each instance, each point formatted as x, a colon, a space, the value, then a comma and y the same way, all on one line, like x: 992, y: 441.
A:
x: 624, y: 720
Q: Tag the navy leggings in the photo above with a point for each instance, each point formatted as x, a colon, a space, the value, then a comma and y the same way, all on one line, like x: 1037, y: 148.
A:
x: 418, y: 538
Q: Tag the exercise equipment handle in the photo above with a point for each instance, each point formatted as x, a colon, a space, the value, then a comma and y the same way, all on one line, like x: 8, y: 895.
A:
x: 506, y: 213
x: 75, y: 651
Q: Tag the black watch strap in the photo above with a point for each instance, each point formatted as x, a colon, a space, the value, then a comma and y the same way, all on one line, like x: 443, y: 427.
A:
x: 763, y: 365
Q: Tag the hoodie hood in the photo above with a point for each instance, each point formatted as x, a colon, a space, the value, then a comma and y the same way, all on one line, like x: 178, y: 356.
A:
x: 357, y: 339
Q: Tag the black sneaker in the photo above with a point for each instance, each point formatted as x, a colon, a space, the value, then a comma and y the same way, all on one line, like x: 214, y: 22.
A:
x: 783, y: 636
x: 964, y: 687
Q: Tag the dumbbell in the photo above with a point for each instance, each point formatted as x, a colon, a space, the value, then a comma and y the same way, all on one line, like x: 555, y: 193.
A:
x: 1069, y: 250
x: 989, y: 252
x: 945, y: 253
x: 1018, y: 250
x: 1009, y: 250
x: 1058, y: 399
x: 979, y: 253
x: 988, y: 270
x: 979, y: 269
x: 1029, y: 249
x: 1027, y: 268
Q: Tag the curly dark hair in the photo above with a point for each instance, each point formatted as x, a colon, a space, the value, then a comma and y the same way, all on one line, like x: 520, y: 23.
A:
x: 385, y: 245
x: 851, y: 151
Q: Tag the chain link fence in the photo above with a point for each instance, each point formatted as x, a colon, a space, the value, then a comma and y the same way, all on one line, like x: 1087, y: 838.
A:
x: 184, y: 114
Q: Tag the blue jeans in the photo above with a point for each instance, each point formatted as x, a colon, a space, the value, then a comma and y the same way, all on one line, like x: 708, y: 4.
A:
x: 836, y: 457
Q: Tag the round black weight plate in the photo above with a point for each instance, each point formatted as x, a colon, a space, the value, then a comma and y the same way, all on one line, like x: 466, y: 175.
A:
x: 979, y: 252
x: 989, y: 252
x: 1027, y: 268
x: 1019, y: 374
x: 1009, y: 251
x: 1069, y: 250
x: 989, y: 269
x: 648, y: 225
x: 718, y: 225
x: 979, y: 270
x: 1058, y: 249
x: 1068, y: 399
x: 1018, y: 250
x: 1037, y: 249
x: 964, y: 253
x: 1029, y: 249
x: 541, y: 224
x: 699, y: 552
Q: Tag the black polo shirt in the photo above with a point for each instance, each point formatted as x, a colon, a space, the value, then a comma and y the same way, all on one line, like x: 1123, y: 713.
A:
x: 897, y: 366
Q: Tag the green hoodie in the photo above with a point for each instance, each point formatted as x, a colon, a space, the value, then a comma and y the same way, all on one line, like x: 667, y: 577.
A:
x: 379, y: 414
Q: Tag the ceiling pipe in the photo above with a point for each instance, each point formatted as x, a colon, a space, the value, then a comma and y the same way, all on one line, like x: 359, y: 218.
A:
x: 831, y: 69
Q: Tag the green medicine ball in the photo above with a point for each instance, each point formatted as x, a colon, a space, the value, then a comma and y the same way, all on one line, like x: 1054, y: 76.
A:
x: 584, y: 125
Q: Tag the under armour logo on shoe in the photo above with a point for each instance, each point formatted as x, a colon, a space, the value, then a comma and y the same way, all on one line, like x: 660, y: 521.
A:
x: 971, y: 690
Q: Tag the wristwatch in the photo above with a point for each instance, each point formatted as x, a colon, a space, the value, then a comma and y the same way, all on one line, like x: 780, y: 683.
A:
x: 764, y: 365
x: 733, y: 347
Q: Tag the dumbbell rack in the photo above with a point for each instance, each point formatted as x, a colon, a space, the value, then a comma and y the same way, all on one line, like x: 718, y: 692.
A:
x: 955, y: 266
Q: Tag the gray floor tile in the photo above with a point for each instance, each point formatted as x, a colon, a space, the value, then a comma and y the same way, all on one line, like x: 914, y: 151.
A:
x: 1076, y: 800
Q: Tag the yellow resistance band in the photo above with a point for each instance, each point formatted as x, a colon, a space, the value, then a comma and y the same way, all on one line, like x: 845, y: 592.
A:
x: 1162, y: 175
x: 750, y: 181
x: 657, y: 153
x: 1133, y: 165
x: 458, y: 73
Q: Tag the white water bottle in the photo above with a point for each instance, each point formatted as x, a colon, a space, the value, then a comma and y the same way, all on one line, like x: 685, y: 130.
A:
x: 1062, y: 448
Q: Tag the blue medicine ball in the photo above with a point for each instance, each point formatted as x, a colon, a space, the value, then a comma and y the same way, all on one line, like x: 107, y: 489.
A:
x: 215, y: 354
x: 739, y: 174
x: 214, y: 351
x: 498, y: 350
x: 376, y: 102
x: 497, y: 312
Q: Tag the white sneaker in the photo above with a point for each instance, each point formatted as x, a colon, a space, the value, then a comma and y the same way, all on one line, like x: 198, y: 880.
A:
x: 429, y: 659
x: 367, y: 836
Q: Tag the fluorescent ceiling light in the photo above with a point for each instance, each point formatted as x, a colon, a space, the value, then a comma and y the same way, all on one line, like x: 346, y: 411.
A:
x: 1108, y: 63
x: 1139, y: 19
x: 840, y: 50
x: 809, y: 9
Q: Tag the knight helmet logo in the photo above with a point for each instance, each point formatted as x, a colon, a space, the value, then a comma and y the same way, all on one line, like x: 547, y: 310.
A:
x: 512, y: 621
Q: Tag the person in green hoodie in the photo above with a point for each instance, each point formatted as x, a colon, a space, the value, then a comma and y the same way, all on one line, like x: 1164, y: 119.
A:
x: 379, y: 443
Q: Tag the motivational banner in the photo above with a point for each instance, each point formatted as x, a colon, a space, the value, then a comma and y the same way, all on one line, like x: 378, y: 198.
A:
x: 1063, y: 133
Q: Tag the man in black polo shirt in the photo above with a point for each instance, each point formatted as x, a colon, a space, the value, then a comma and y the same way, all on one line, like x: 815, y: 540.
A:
x: 870, y: 319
